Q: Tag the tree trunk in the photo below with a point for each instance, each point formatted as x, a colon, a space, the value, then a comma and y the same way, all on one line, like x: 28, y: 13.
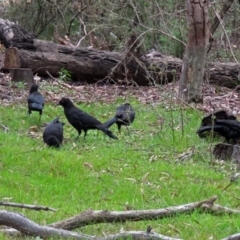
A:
x: 91, y: 66
x: 191, y: 79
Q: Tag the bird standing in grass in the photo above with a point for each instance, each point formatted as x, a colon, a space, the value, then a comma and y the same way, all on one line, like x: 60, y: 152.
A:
x: 124, y: 115
x: 211, y: 119
x: 35, y: 100
x: 229, y: 129
x: 53, y: 133
x: 80, y: 120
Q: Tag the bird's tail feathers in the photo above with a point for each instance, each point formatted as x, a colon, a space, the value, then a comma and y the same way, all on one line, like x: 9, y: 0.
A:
x: 209, y: 128
x: 37, y: 106
x: 106, y: 131
x: 109, y: 123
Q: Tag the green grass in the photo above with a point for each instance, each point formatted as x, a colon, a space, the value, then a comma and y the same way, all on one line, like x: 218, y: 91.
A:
x: 142, y: 169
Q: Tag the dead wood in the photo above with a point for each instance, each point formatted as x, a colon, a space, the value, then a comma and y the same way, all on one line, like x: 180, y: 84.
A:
x: 24, y: 75
x: 61, y: 229
x: 225, y: 151
x: 217, y: 209
x: 93, y: 66
x: 232, y: 237
x: 138, y: 235
x: 30, y: 228
x: 28, y: 206
x: 93, y: 217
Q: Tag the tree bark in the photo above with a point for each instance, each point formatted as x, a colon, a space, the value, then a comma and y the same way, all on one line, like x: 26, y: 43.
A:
x: 191, y: 79
x: 91, y: 66
x: 83, y: 64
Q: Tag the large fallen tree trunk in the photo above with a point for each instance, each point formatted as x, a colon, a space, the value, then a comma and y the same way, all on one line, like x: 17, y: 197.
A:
x: 23, y: 50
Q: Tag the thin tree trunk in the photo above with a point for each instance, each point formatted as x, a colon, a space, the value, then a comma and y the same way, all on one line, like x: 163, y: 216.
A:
x: 220, y: 15
x: 190, y: 88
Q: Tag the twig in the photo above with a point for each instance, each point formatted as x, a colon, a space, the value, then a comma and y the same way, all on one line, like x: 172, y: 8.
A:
x: 138, y: 235
x: 217, y: 209
x: 219, y: 17
x: 33, y: 207
x: 74, y: 17
x: 5, y: 128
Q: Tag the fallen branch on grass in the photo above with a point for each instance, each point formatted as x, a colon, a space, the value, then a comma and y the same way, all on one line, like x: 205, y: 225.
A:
x: 218, y: 209
x: 92, y: 217
x: 137, y: 235
x: 30, y: 228
x: 232, y: 237
x: 62, y: 228
x: 33, y: 207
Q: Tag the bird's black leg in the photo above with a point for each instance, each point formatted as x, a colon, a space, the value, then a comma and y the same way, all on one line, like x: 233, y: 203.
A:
x: 85, y: 134
x: 128, y: 129
x: 40, y: 115
x: 119, y: 127
x: 79, y: 133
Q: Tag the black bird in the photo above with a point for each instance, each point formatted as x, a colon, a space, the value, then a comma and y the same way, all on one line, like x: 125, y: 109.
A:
x: 35, y: 100
x: 53, y: 133
x: 124, y: 115
x: 80, y: 120
x: 210, y: 120
x: 229, y: 129
x: 221, y: 114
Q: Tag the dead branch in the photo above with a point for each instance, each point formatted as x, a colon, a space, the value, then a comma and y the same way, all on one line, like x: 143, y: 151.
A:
x: 30, y: 228
x: 33, y: 207
x: 232, y: 237
x: 220, y: 15
x: 103, y: 216
x: 138, y: 235
x: 218, y: 209
x: 61, y: 228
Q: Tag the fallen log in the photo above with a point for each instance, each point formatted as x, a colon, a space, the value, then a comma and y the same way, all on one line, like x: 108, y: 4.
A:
x: 23, y: 50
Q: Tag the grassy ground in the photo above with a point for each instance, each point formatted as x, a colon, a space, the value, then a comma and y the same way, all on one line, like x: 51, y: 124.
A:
x: 144, y: 169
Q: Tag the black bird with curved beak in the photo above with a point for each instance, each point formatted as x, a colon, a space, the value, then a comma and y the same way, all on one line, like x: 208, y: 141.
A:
x: 35, y: 100
x: 53, y: 133
x: 82, y: 121
x: 124, y: 115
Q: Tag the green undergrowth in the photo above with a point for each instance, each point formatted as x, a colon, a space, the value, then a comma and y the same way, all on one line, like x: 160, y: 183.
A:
x: 160, y: 162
